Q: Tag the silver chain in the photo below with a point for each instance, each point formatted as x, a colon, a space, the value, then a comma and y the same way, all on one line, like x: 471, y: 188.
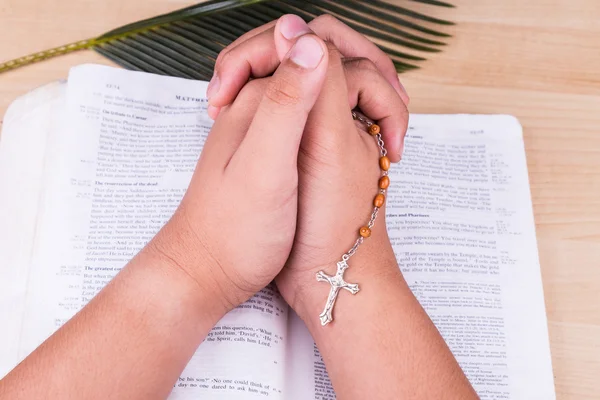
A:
x: 382, y: 149
x: 382, y: 152
x: 373, y: 216
x: 361, y: 118
x: 351, y: 252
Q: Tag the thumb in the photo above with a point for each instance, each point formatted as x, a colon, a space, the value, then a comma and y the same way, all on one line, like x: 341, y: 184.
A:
x: 273, y: 138
x: 285, y: 32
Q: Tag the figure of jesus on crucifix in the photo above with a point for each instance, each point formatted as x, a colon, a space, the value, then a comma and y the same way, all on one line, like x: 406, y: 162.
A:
x: 337, y: 282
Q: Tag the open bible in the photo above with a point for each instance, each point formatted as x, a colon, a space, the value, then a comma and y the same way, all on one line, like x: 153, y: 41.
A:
x: 91, y: 168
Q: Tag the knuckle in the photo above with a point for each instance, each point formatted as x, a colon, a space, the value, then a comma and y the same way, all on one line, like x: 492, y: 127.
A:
x: 222, y: 58
x: 362, y: 64
x: 361, y: 71
x: 333, y: 50
x: 248, y: 99
x: 389, y: 62
x: 250, y: 94
x: 252, y: 91
x: 326, y: 19
x: 256, y: 86
x: 283, y: 91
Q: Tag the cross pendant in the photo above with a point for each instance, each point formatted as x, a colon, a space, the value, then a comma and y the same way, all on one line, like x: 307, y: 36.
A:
x: 337, y: 282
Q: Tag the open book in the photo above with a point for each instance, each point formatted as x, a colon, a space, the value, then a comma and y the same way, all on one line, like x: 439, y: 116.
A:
x: 92, y: 168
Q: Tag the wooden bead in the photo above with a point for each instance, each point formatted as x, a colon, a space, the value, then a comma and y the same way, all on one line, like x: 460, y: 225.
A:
x: 365, y: 232
x: 384, y: 182
x: 379, y: 200
x: 374, y: 129
x: 384, y: 163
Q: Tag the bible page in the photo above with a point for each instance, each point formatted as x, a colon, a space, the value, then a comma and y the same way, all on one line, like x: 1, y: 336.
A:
x: 125, y: 159
x: 27, y: 126
x: 460, y: 220
x: 306, y: 375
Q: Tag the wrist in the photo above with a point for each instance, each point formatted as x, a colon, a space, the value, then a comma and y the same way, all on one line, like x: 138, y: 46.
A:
x: 380, y: 282
x: 179, y: 250
x: 373, y: 263
x: 164, y: 296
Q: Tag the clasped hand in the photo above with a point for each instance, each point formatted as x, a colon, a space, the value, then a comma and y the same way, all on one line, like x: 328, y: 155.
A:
x: 286, y: 177
x: 284, y: 183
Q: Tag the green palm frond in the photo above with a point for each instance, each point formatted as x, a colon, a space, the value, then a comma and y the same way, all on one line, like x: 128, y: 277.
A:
x: 186, y: 42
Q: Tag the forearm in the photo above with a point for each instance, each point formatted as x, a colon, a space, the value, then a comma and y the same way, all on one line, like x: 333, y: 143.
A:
x: 130, y: 342
x: 382, y: 344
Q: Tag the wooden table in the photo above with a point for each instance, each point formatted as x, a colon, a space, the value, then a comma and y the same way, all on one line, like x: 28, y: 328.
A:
x: 538, y: 60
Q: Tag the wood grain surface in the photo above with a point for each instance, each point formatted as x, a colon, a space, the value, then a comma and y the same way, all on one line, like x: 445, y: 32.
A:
x: 538, y: 60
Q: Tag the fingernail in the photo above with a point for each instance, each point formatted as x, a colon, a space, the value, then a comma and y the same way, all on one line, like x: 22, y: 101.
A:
x: 213, y: 86
x: 293, y: 26
x: 307, y: 52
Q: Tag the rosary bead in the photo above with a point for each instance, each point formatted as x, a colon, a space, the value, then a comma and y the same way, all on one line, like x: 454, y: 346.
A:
x: 384, y: 182
x: 374, y: 129
x: 379, y: 200
x: 365, y: 232
x: 384, y: 163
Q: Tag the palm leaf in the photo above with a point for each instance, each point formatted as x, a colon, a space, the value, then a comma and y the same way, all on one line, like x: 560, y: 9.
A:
x: 186, y: 42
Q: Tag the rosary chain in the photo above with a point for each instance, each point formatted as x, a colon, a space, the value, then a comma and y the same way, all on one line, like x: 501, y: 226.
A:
x: 383, y: 153
x: 351, y: 252
x: 373, y: 217
x: 337, y: 281
x: 382, y: 149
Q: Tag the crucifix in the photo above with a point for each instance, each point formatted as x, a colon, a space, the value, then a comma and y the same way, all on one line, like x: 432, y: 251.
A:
x: 337, y: 282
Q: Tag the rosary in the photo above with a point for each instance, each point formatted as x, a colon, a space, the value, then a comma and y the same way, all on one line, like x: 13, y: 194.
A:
x: 337, y: 281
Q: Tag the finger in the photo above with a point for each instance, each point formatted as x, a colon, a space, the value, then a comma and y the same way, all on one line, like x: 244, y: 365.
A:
x: 350, y: 43
x: 332, y: 108
x: 371, y: 92
x: 273, y: 138
x: 230, y: 128
x: 251, y: 58
x: 214, y: 84
x: 213, y: 112
x: 257, y: 54
x: 353, y: 44
x: 254, y: 57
